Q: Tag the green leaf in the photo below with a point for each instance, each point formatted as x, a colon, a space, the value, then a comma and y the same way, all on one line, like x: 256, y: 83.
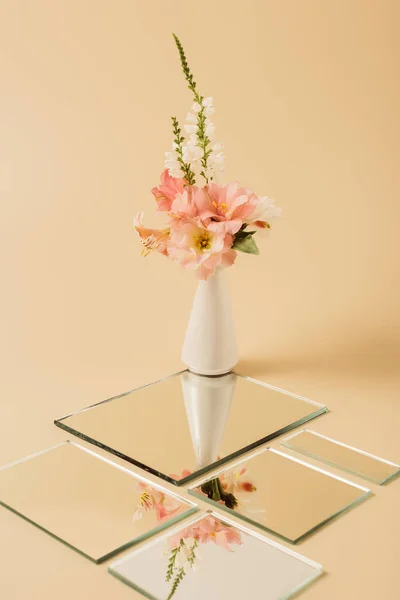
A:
x: 244, y: 234
x: 245, y: 244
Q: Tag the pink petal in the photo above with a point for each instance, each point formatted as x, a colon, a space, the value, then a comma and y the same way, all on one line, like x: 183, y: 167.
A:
x: 220, y: 540
x: 207, y: 525
x: 228, y: 258
x: 233, y: 226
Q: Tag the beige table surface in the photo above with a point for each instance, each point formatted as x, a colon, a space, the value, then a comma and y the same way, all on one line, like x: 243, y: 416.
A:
x: 307, y: 101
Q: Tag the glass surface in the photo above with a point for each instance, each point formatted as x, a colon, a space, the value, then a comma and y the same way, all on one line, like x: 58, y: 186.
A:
x: 84, y: 500
x: 342, y: 456
x: 182, y: 426
x: 280, y: 494
x: 211, y: 557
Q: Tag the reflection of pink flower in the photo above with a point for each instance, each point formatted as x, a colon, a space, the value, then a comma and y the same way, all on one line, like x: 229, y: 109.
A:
x: 226, y: 207
x: 196, y: 247
x: 185, y: 473
x: 152, y: 239
x: 207, y: 530
x: 235, y: 481
x: 165, y: 506
x: 169, y: 188
x: 183, y: 547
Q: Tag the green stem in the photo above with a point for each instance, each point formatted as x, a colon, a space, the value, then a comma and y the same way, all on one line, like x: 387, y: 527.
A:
x: 178, y: 140
x: 181, y: 572
x: 203, y: 141
x: 179, y: 576
x: 214, y: 490
x: 186, y: 70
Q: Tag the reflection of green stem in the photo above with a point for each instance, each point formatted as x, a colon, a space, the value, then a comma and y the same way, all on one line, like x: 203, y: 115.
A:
x: 214, y: 490
x: 181, y: 572
x: 171, y: 562
x: 180, y: 575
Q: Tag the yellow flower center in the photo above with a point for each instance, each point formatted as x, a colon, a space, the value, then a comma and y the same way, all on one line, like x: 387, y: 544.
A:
x: 221, y: 208
x: 203, y: 241
x: 144, y: 500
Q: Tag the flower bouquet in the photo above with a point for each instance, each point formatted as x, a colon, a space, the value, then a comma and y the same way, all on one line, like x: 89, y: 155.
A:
x: 207, y: 223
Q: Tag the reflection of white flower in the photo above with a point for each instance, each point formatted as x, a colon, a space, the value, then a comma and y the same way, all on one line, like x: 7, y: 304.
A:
x: 145, y: 503
x: 151, y: 499
x: 181, y: 559
x: 186, y: 555
x: 235, y: 481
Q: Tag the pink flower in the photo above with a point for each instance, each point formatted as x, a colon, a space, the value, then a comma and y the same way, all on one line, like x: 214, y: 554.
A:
x: 151, y: 499
x: 237, y: 481
x: 185, y: 473
x: 152, y: 239
x: 226, y: 207
x: 195, y: 246
x: 183, y: 206
x: 207, y: 530
x: 247, y: 486
x: 169, y: 188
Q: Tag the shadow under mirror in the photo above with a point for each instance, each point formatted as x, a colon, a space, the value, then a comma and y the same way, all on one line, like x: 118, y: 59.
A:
x: 186, y: 424
x: 212, y: 557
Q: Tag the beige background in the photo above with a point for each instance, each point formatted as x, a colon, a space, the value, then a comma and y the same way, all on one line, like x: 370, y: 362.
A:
x: 307, y: 96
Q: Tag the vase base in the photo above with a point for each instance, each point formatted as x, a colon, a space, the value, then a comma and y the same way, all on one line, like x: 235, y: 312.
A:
x: 216, y: 373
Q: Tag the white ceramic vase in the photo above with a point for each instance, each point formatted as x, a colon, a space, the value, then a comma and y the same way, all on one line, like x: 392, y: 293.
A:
x: 210, y: 342
x: 207, y: 401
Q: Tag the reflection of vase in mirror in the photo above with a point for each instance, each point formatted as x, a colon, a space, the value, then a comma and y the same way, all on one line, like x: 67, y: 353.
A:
x: 207, y: 402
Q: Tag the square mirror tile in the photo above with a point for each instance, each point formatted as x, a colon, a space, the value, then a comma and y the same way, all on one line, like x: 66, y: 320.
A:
x: 342, y: 456
x: 280, y: 494
x: 86, y: 501
x: 211, y: 557
x: 186, y: 424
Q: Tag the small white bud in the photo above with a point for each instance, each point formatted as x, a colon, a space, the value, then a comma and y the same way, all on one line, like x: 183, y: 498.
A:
x: 191, y: 118
x: 217, y: 159
x: 210, y: 130
x: 190, y: 128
